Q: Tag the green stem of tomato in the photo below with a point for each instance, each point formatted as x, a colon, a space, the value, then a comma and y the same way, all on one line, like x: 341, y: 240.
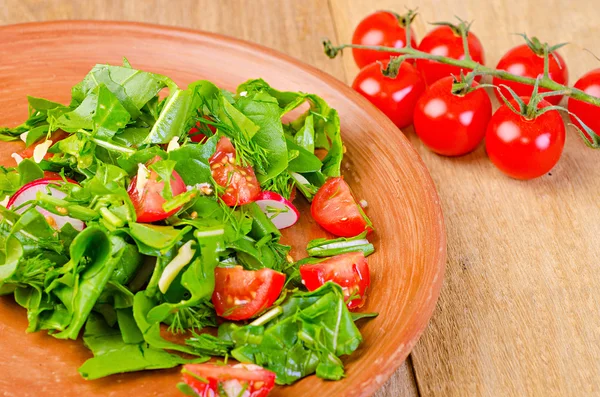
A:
x: 545, y: 82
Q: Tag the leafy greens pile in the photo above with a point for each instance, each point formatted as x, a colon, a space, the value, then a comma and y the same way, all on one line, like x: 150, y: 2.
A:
x: 104, y: 280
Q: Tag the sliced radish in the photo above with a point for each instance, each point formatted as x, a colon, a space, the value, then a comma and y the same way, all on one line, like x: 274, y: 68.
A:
x: 280, y: 210
x: 29, y: 192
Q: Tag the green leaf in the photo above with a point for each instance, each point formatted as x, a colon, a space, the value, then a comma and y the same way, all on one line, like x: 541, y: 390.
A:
x: 173, y: 118
x: 29, y: 171
x: 132, y: 87
x: 192, y: 161
x: 112, y: 355
x: 158, y: 237
x: 322, y: 247
x: 110, y: 115
x: 263, y: 110
x: 305, y: 137
x: 305, y: 161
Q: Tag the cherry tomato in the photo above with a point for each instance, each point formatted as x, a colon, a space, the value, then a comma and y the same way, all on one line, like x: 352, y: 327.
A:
x: 522, y: 148
x: 447, y: 42
x: 148, y: 204
x: 350, y: 271
x: 195, y: 132
x: 523, y: 61
x: 240, y: 294
x: 56, y: 136
x: 588, y: 113
x: 336, y: 211
x: 382, y: 28
x: 450, y: 124
x: 394, y: 97
x: 210, y: 379
x: 240, y: 183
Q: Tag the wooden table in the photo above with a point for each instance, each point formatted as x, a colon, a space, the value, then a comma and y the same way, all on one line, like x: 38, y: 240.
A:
x: 519, y: 311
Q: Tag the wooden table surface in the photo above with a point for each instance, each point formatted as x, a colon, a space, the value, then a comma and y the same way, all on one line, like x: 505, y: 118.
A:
x: 519, y: 310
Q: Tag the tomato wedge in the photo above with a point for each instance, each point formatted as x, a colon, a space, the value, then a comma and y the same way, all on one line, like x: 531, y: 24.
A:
x: 240, y: 183
x: 241, y: 294
x: 56, y: 136
x: 210, y: 379
x: 350, y: 271
x: 336, y: 211
x: 149, y: 201
x: 197, y: 136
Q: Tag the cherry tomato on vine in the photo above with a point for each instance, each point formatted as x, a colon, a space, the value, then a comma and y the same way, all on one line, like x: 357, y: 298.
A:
x: 449, y: 124
x: 588, y: 113
x: 447, y: 41
x: 525, y: 148
x: 396, y: 97
x: 527, y: 62
x: 382, y: 28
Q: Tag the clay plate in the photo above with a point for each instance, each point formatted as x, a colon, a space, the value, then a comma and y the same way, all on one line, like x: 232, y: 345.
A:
x: 46, y: 59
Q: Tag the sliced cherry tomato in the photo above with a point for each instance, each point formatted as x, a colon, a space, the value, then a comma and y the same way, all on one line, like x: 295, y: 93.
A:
x: 197, y: 136
x: 523, y: 61
x: 241, y: 294
x: 350, y: 271
x: 240, y: 183
x: 336, y: 211
x: 245, y: 380
x: 588, y: 113
x: 382, y: 28
x: 450, y: 124
x: 522, y: 148
x: 395, y: 97
x: 148, y: 204
x: 56, y: 136
x: 447, y: 42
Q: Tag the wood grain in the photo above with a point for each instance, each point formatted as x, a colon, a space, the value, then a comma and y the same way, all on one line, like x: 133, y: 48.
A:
x: 518, y: 314
x: 292, y: 27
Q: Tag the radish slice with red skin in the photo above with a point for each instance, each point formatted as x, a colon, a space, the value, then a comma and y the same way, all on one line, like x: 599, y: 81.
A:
x: 280, y: 210
x: 29, y: 192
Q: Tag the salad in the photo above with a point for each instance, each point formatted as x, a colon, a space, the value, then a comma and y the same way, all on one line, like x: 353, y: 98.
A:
x: 132, y: 215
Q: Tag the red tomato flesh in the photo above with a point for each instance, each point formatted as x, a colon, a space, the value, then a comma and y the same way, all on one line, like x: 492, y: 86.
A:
x: 381, y: 28
x: 241, y: 294
x: 449, y: 124
x: 209, y: 379
x: 350, y: 271
x: 56, y: 136
x: 148, y: 204
x: 336, y: 211
x: 523, y: 61
x: 444, y: 41
x: 522, y: 148
x: 395, y: 97
x: 588, y: 113
x: 240, y: 183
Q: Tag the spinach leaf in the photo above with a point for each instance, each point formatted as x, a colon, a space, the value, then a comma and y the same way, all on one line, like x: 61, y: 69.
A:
x: 263, y: 110
x: 314, y: 329
x: 172, y: 119
x: 161, y: 238
x: 29, y: 171
x: 110, y: 115
x: 192, y: 161
x: 305, y: 161
x: 112, y: 355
